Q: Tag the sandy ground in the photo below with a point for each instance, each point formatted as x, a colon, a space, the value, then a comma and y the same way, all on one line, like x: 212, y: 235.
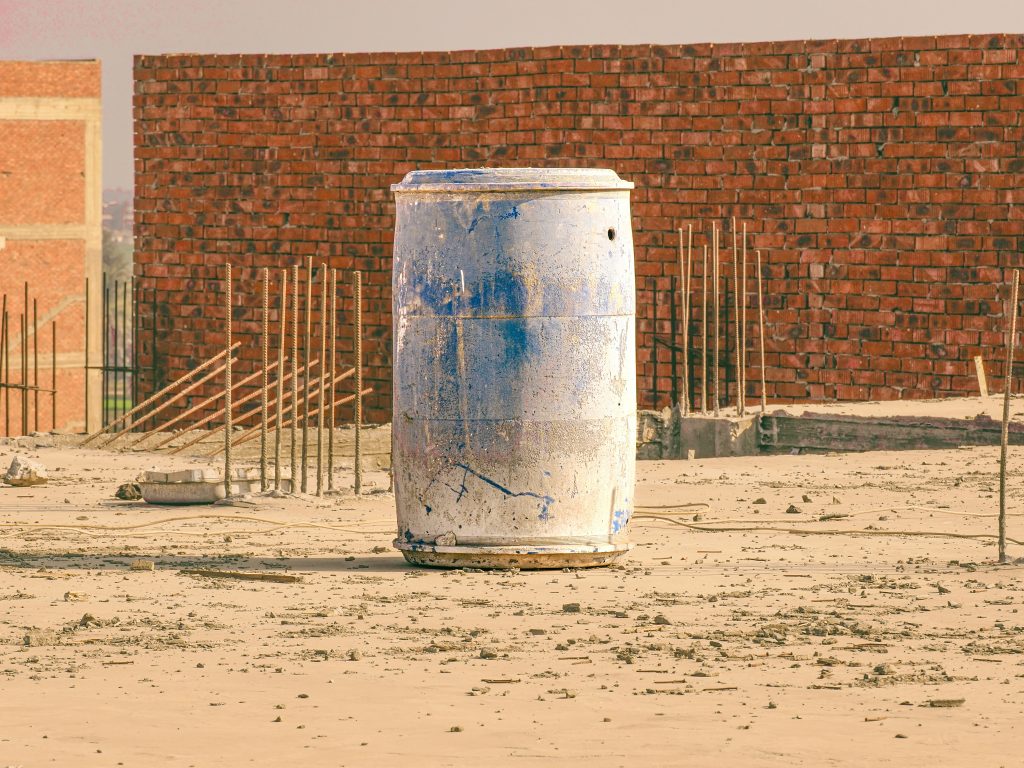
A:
x: 752, y: 648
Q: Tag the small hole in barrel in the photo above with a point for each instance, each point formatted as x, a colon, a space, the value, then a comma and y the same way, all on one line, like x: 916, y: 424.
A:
x: 611, y: 233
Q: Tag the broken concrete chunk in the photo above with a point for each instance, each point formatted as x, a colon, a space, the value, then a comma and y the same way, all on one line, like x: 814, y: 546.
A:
x: 128, y: 492
x: 25, y: 472
x: 36, y: 637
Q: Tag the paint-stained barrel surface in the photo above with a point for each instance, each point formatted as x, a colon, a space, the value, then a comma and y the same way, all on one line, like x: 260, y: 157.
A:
x: 514, y: 433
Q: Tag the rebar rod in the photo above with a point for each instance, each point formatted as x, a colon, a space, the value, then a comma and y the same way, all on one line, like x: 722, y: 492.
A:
x: 294, y: 448
x: 357, y: 284
x: 760, y: 333
x: 743, y: 325
x: 263, y: 391
x: 227, y: 384
x: 704, y: 334
x: 35, y: 359
x: 123, y: 398
x: 736, y: 312
x: 280, y: 378
x: 306, y: 338
x: 334, y: 371
x: 1004, y: 437
x: 718, y: 317
x: 3, y: 360
x: 53, y: 374
x: 88, y: 371
x: 323, y: 384
x: 24, y: 372
x: 684, y: 261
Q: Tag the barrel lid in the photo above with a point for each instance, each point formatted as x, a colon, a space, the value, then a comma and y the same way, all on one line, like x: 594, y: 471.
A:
x: 511, y: 180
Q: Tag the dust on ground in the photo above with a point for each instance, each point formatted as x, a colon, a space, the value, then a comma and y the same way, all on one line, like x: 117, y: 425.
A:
x: 754, y: 648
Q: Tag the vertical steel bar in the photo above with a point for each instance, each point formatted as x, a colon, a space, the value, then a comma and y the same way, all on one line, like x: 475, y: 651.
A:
x: 88, y: 306
x: 294, y: 470
x: 24, y: 364
x: 104, y: 343
x: 673, y: 321
x: 35, y: 361
x: 280, y: 379
x: 334, y: 373
x: 113, y: 364
x: 124, y: 346
x: 704, y: 334
x: 152, y: 351
x: 3, y: 356
x: 324, y: 369
x: 53, y: 373
x: 1004, y: 438
x: 135, y: 339
x: 743, y: 325
x: 736, y: 311
x: 683, y: 300
x: 7, y: 372
x: 227, y: 383
x: 265, y: 343
x: 718, y: 317
x: 358, y: 300
x: 760, y: 333
x: 653, y: 282
x: 305, y: 375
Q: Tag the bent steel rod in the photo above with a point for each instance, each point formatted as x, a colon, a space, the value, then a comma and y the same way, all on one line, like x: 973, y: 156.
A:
x: 171, y: 401
x: 198, y: 407
x: 211, y: 417
x: 153, y: 398
x: 280, y: 378
x: 249, y: 434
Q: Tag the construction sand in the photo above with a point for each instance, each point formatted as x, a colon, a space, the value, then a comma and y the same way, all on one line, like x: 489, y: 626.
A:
x: 734, y: 648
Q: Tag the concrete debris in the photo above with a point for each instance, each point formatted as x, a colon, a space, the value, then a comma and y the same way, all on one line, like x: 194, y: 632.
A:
x: 25, y: 472
x: 128, y: 492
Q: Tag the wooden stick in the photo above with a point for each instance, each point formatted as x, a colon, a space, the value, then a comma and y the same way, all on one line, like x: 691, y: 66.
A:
x: 743, y: 326
x: 227, y: 384
x: 760, y: 335
x: 704, y: 332
x: 198, y: 383
x: 280, y: 378
x: 1004, y: 439
x: 149, y: 400
x: 718, y: 317
x: 247, y: 435
x: 200, y: 406
x: 208, y: 419
x: 323, y: 384
x: 304, y: 469
x: 979, y: 369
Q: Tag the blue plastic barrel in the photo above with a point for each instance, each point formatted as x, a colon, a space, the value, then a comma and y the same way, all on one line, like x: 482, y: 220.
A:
x: 514, y: 433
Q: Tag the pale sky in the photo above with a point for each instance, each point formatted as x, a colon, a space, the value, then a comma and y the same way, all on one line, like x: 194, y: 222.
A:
x: 114, y: 30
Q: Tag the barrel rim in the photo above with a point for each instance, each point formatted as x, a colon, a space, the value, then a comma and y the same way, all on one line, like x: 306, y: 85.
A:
x: 512, y: 180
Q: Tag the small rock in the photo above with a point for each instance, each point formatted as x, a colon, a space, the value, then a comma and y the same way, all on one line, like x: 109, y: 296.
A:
x: 25, y: 472
x: 760, y: 500
x: 571, y: 608
x: 806, y: 499
x: 661, y: 620
x: 37, y: 637
x: 538, y: 631
x: 88, y: 620
x: 143, y: 565
x: 354, y: 655
x: 942, y: 590
x: 793, y: 509
x: 455, y: 729
x: 75, y: 597
x: 128, y: 492
x: 488, y: 654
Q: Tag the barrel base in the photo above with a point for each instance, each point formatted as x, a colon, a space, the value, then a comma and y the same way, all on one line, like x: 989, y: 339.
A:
x: 503, y: 558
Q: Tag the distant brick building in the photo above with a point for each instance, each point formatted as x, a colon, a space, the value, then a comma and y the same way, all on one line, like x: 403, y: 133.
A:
x: 51, y: 225
x: 881, y: 180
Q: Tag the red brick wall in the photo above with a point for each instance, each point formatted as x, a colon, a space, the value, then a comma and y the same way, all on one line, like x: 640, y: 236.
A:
x: 45, y: 225
x: 879, y: 178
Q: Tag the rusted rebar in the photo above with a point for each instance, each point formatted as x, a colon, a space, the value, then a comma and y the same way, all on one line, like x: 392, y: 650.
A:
x: 227, y: 383
x: 35, y: 360
x: 294, y: 446
x: 324, y: 369
x: 305, y: 379
x: 3, y: 360
x: 334, y: 371
x: 357, y: 287
x: 280, y: 378
x: 337, y: 403
x: 704, y: 334
x: 743, y: 325
x: 265, y: 340
x: 683, y: 260
x: 736, y: 312
x: 53, y: 374
x: 760, y: 333
x: 1011, y: 342
x: 718, y: 317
